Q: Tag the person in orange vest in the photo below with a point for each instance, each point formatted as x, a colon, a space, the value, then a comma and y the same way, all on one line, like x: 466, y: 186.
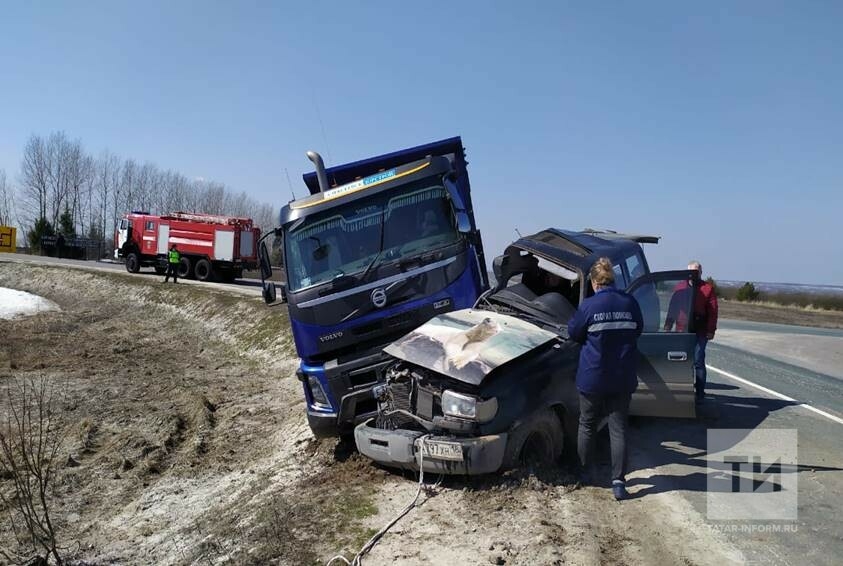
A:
x: 173, y: 259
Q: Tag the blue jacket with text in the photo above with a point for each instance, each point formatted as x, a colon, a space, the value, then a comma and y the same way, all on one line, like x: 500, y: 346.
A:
x: 608, y: 326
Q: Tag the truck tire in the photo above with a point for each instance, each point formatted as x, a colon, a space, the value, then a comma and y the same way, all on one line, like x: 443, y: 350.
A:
x: 132, y: 263
x: 537, y: 441
x: 185, y: 268
x: 203, y: 270
x: 160, y: 269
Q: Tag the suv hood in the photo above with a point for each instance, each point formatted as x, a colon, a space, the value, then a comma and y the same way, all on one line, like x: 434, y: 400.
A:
x: 468, y: 344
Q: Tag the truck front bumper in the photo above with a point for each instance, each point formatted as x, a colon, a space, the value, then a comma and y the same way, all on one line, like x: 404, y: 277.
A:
x: 323, y: 425
x: 400, y: 448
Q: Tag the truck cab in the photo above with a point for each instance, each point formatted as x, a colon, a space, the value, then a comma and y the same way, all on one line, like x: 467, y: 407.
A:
x: 379, y: 247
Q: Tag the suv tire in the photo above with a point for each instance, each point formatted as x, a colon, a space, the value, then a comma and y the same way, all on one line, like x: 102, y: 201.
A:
x: 537, y: 441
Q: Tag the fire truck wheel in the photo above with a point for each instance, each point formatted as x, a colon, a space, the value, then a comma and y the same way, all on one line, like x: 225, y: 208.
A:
x: 185, y: 268
x: 161, y: 269
x: 132, y: 263
x: 203, y: 270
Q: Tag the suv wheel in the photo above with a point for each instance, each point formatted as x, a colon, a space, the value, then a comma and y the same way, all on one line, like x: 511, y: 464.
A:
x: 538, y: 441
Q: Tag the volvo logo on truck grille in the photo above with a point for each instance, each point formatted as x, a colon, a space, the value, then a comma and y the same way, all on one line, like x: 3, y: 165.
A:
x: 379, y: 298
x: 332, y: 336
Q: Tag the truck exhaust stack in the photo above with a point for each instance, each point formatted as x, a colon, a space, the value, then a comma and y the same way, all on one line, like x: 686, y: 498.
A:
x: 320, y: 170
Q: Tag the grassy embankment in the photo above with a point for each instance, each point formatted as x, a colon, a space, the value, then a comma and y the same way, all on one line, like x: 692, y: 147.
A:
x: 803, y: 309
x: 808, y: 301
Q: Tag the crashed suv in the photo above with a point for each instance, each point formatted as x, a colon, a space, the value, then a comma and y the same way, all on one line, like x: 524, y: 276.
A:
x: 493, y: 387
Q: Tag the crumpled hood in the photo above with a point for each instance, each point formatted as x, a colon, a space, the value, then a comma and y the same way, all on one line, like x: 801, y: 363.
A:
x: 468, y: 344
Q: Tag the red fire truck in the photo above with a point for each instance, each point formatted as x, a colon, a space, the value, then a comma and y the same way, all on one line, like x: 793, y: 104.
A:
x: 211, y: 247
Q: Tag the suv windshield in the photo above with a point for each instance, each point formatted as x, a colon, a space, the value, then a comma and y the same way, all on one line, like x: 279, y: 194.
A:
x: 345, y: 240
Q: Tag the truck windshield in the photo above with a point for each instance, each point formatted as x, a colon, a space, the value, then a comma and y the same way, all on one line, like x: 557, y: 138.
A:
x: 409, y: 220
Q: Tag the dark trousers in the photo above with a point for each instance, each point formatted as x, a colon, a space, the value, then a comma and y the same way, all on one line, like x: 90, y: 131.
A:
x: 699, y: 366
x: 172, y: 269
x: 592, y: 408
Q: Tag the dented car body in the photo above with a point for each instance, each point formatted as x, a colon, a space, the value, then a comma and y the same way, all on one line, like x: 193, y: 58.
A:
x: 493, y: 387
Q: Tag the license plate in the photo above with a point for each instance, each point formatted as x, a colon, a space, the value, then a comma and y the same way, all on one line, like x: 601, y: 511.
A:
x: 441, y: 450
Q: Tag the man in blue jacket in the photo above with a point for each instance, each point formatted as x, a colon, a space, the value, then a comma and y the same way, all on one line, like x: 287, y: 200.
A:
x: 607, y: 325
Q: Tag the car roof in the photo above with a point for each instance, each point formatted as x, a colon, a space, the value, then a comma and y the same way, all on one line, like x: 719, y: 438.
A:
x: 581, y: 249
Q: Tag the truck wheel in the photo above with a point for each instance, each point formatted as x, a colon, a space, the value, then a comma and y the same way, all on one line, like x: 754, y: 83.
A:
x: 185, y: 268
x: 132, y: 263
x: 538, y: 441
x: 161, y: 269
x: 203, y: 270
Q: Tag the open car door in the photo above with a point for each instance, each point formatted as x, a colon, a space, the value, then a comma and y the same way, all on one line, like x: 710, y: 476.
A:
x: 666, y: 347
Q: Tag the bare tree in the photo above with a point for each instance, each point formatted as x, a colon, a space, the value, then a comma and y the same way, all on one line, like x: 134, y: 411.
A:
x: 122, y: 195
x: 107, y: 180
x: 30, y: 440
x: 34, y: 178
x: 143, y: 186
x: 59, y: 155
x: 57, y: 175
x: 6, y: 206
x: 78, y: 171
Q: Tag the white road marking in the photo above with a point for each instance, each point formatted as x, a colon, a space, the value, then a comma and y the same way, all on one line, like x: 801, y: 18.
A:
x: 776, y: 394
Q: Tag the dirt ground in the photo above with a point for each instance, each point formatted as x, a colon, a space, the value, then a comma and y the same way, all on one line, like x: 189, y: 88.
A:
x: 186, y: 443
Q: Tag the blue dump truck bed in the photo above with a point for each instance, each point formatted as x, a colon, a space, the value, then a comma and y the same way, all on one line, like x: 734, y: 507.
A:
x: 379, y: 247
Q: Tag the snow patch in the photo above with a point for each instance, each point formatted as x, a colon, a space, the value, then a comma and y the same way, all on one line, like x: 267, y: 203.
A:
x: 14, y: 303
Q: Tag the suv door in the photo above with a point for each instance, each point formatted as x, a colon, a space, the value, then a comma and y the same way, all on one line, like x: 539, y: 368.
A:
x: 666, y: 347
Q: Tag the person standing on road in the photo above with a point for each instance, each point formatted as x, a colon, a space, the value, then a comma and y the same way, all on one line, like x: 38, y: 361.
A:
x: 607, y: 325
x: 704, y: 319
x: 705, y: 323
x: 173, y: 259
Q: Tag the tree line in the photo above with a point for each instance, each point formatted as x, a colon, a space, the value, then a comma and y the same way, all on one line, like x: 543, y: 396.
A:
x: 62, y: 188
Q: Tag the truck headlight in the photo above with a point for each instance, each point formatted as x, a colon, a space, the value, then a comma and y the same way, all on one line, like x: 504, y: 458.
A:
x: 316, y: 391
x: 468, y: 406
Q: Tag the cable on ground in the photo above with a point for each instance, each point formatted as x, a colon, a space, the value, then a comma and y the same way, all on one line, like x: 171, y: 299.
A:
x: 358, y: 558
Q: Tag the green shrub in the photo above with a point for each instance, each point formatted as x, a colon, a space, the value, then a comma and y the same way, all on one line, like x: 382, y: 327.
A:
x: 66, y: 225
x: 42, y: 227
x: 747, y: 292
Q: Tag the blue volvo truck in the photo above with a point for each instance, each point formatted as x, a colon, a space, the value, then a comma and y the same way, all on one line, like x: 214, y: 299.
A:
x: 378, y: 248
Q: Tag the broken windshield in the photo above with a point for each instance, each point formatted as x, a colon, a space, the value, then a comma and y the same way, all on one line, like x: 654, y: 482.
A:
x: 385, y: 227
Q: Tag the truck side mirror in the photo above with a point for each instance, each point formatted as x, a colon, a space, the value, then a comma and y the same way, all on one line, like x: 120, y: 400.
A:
x: 266, y: 266
x: 463, y: 223
x: 497, y: 267
x: 268, y: 292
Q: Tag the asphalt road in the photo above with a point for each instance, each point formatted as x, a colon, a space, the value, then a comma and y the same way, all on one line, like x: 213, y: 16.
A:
x: 240, y: 286
x: 751, y: 390
x: 761, y: 377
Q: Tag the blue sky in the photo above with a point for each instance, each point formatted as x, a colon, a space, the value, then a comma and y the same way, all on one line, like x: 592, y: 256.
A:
x: 718, y: 126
